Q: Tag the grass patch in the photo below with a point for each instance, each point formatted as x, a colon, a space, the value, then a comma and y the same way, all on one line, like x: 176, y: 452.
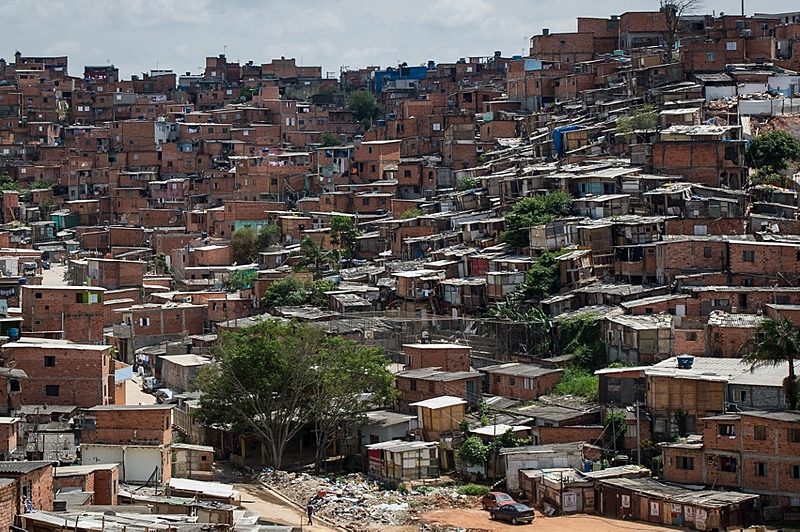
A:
x: 473, y: 489
x: 578, y: 381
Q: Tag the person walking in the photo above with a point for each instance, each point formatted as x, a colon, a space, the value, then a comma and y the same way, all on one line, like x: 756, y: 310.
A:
x: 310, y: 512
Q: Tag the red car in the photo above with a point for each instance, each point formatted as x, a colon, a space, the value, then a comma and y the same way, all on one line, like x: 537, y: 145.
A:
x: 496, y: 499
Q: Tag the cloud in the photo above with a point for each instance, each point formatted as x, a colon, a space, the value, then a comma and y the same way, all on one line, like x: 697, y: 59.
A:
x: 179, y: 34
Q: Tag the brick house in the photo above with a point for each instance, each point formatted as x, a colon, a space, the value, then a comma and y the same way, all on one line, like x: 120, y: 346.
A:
x: 33, y: 482
x: 101, y: 480
x: 709, y: 155
x: 62, y: 373
x: 755, y: 452
x: 517, y: 380
x: 73, y: 313
x: 11, y: 389
x: 9, y: 432
x: 135, y: 436
x: 448, y: 357
x: 420, y: 384
x: 708, y: 386
x: 114, y: 273
x: 148, y: 324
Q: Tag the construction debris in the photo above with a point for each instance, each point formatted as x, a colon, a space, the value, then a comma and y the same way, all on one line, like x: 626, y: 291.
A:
x: 358, y: 503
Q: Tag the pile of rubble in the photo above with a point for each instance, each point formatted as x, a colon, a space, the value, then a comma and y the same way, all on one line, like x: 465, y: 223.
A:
x: 353, y: 501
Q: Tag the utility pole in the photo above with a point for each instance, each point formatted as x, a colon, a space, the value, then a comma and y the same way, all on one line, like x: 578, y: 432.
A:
x: 638, y: 437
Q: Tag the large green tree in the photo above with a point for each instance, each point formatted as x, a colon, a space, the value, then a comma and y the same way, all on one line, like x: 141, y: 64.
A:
x: 533, y: 210
x: 315, y: 257
x: 352, y: 379
x: 774, y: 343
x: 344, y: 234
x: 365, y: 107
x: 273, y: 380
x: 771, y: 152
x: 268, y: 235
x: 245, y: 249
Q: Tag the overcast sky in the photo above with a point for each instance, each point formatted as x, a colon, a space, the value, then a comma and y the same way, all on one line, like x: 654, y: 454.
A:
x: 140, y: 35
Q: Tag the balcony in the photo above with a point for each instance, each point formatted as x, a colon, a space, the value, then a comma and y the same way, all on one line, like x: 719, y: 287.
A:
x: 122, y: 330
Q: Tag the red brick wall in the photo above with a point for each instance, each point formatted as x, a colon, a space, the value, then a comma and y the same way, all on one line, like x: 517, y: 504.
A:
x: 82, y: 322
x: 446, y: 358
x: 106, y: 486
x: 726, y: 341
x: 8, y: 436
x: 130, y: 425
x: 587, y: 433
x: 686, y: 476
x: 80, y: 374
x: 768, y: 260
x: 690, y: 341
x: 714, y: 226
x: 8, y: 505
x: 427, y: 389
x: 41, y: 488
x: 542, y: 385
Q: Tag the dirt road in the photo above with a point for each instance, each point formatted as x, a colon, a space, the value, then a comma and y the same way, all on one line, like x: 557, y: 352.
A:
x: 275, y: 509
x: 479, y: 519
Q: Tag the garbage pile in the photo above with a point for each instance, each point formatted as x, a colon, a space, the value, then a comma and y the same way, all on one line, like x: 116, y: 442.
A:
x: 355, y: 502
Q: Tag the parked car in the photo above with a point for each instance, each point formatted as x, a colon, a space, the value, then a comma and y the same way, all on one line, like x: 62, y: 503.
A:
x: 495, y: 499
x: 516, y: 513
x: 165, y: 396
x: 150, y: 384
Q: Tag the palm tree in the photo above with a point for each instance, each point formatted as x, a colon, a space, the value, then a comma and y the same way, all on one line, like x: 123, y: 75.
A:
x: 315, y: 256
x: 775, y: 342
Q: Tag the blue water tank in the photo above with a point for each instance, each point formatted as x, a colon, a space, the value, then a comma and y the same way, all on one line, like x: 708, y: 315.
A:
x: 13, y: 333
x: 685, y: 361
x: 23, y: 280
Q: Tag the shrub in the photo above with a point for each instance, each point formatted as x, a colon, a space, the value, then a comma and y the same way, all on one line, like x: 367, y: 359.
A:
x: 578, y: 381
x: 475, y: 490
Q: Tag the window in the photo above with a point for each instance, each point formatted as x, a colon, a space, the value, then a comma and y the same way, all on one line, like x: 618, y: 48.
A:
x: 406, y: 173
x: 794, y: 471
x: 732, y: 154
x: 739, y: 396
x: 727, y: 464
x: 527, y: 383
x: 14, y: 386
x: 707, y: 252
x: 49, y: 361
x: 369, y: 149
x: 38, y: 295
x: 761, y: 469
x: 51, y: 390
x: 365, y: 201
x: 711, y: 57
x: 691, y: 336
x: 760, y: 432
x: 512, y: 381
x: 684, y: 462
x: 726, y: 429
x: 794, y: 435
x: 748, y: 255
x: 373, y: 168
x: 144, y: 322
x: 730, y: 46
x: 413, y: 385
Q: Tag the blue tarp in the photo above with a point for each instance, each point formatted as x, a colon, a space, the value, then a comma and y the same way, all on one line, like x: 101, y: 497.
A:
x: 558, y: 134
